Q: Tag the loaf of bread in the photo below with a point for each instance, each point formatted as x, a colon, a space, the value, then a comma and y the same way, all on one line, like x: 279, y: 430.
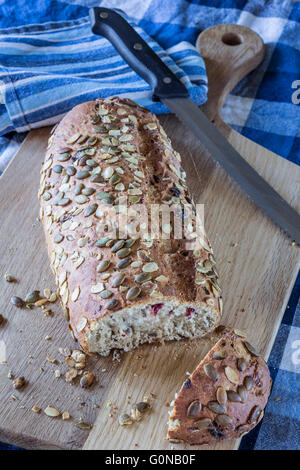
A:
x: 225, y: 396
x: 120, y: 292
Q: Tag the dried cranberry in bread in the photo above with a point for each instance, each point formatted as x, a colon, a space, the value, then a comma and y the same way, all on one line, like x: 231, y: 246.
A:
x: 225, y: 396
x: 120, y: 293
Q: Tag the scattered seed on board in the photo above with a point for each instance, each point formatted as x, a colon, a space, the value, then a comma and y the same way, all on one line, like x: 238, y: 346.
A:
x: 125, y: 420
x: 18, y: 383
x: 9, y: 278
x: 83, y: 425
x: 86, y: 380
x: 51, y: 412
x: 17, y: 302
x: 32, y: 297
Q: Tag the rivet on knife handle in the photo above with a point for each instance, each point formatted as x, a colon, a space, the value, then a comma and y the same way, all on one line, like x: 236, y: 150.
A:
x: 136, y: 52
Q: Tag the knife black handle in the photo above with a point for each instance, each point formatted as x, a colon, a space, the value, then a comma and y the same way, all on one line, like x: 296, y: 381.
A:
x: 136, y: 52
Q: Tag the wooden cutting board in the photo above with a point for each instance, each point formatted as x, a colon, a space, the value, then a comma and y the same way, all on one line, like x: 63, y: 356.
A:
x: 258, y: 265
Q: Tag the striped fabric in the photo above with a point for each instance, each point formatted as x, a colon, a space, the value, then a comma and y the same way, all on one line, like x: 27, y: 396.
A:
x: 46, y: 70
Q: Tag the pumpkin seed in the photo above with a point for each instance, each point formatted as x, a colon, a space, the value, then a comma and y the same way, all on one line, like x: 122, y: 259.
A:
x: 73, y: 138
x: 81, y: 199
x: 123, y: 263
x: 102, y: 242
x: 92, y: 163
x: 58, y: 168
x: 58, y: 238
x: 46, y: 196
x: 130, y: 242
x: 201, y: 424
x: 64, y: 157
x: 248, y: 382
x: 194, y: 409
x: 150, y: 267
x: 112, y: 304
x: 64, y: 201
x: 133, y: 293
x: 115, y: 179
x: 221, y: 396
x: 232, y: 375
x: 17, y: 302
x: 105, y: 294
x: 100, y: 129
x: 124, y: 252
x: 241, y: 364
x: 90, y: 152
x: 108, y: 172
x: 134, y: 199
x: 103, y: 266
x: 117, y: 246
x: 88, y: 191
x: 32, y: 297
x: 117, y: 281
x: 95, y: 118
x: 96, y: 178
x: 64, y: 150
x: 82, y: 174
x: 83, y: 425
x: 52, y: 412
x: 251, y: 349
x: 103, y: 195
x: 90, y: 210
x: 223, y: 420
x: 82, y: 139
x: 219, y: 355
x: 211, y: 372
x: 216, y: 407
x: 71, y: 170
x: 233, y: 396
x: 92, y: 140
x: 78, y: 189
x: 143, y: 277
x: 242, y: 393
x: 125, y: 420
x: 254, y: 414
x: 19, y: 383
x: 97, y: 288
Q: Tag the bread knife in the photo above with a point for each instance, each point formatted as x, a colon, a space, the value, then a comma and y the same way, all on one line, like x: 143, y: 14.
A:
x: 172, y: 92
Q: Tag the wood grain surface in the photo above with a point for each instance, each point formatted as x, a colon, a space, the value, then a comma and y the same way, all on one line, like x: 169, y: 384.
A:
x: 258, y: 265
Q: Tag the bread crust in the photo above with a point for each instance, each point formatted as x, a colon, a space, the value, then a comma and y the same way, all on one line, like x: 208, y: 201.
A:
x: 145, y: 166
x: 243, y: 401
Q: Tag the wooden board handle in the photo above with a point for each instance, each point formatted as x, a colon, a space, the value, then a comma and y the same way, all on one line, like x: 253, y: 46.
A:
x: 230, y: 52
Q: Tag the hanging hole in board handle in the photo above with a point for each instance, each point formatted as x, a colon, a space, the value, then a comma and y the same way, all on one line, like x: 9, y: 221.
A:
x: 232, y: 39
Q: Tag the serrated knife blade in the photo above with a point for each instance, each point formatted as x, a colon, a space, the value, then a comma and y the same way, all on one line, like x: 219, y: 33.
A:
x: 236, y: 166
x: 171, y: 91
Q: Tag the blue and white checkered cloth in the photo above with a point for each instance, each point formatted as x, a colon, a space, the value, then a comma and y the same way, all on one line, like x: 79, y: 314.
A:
x: 54, y: 62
